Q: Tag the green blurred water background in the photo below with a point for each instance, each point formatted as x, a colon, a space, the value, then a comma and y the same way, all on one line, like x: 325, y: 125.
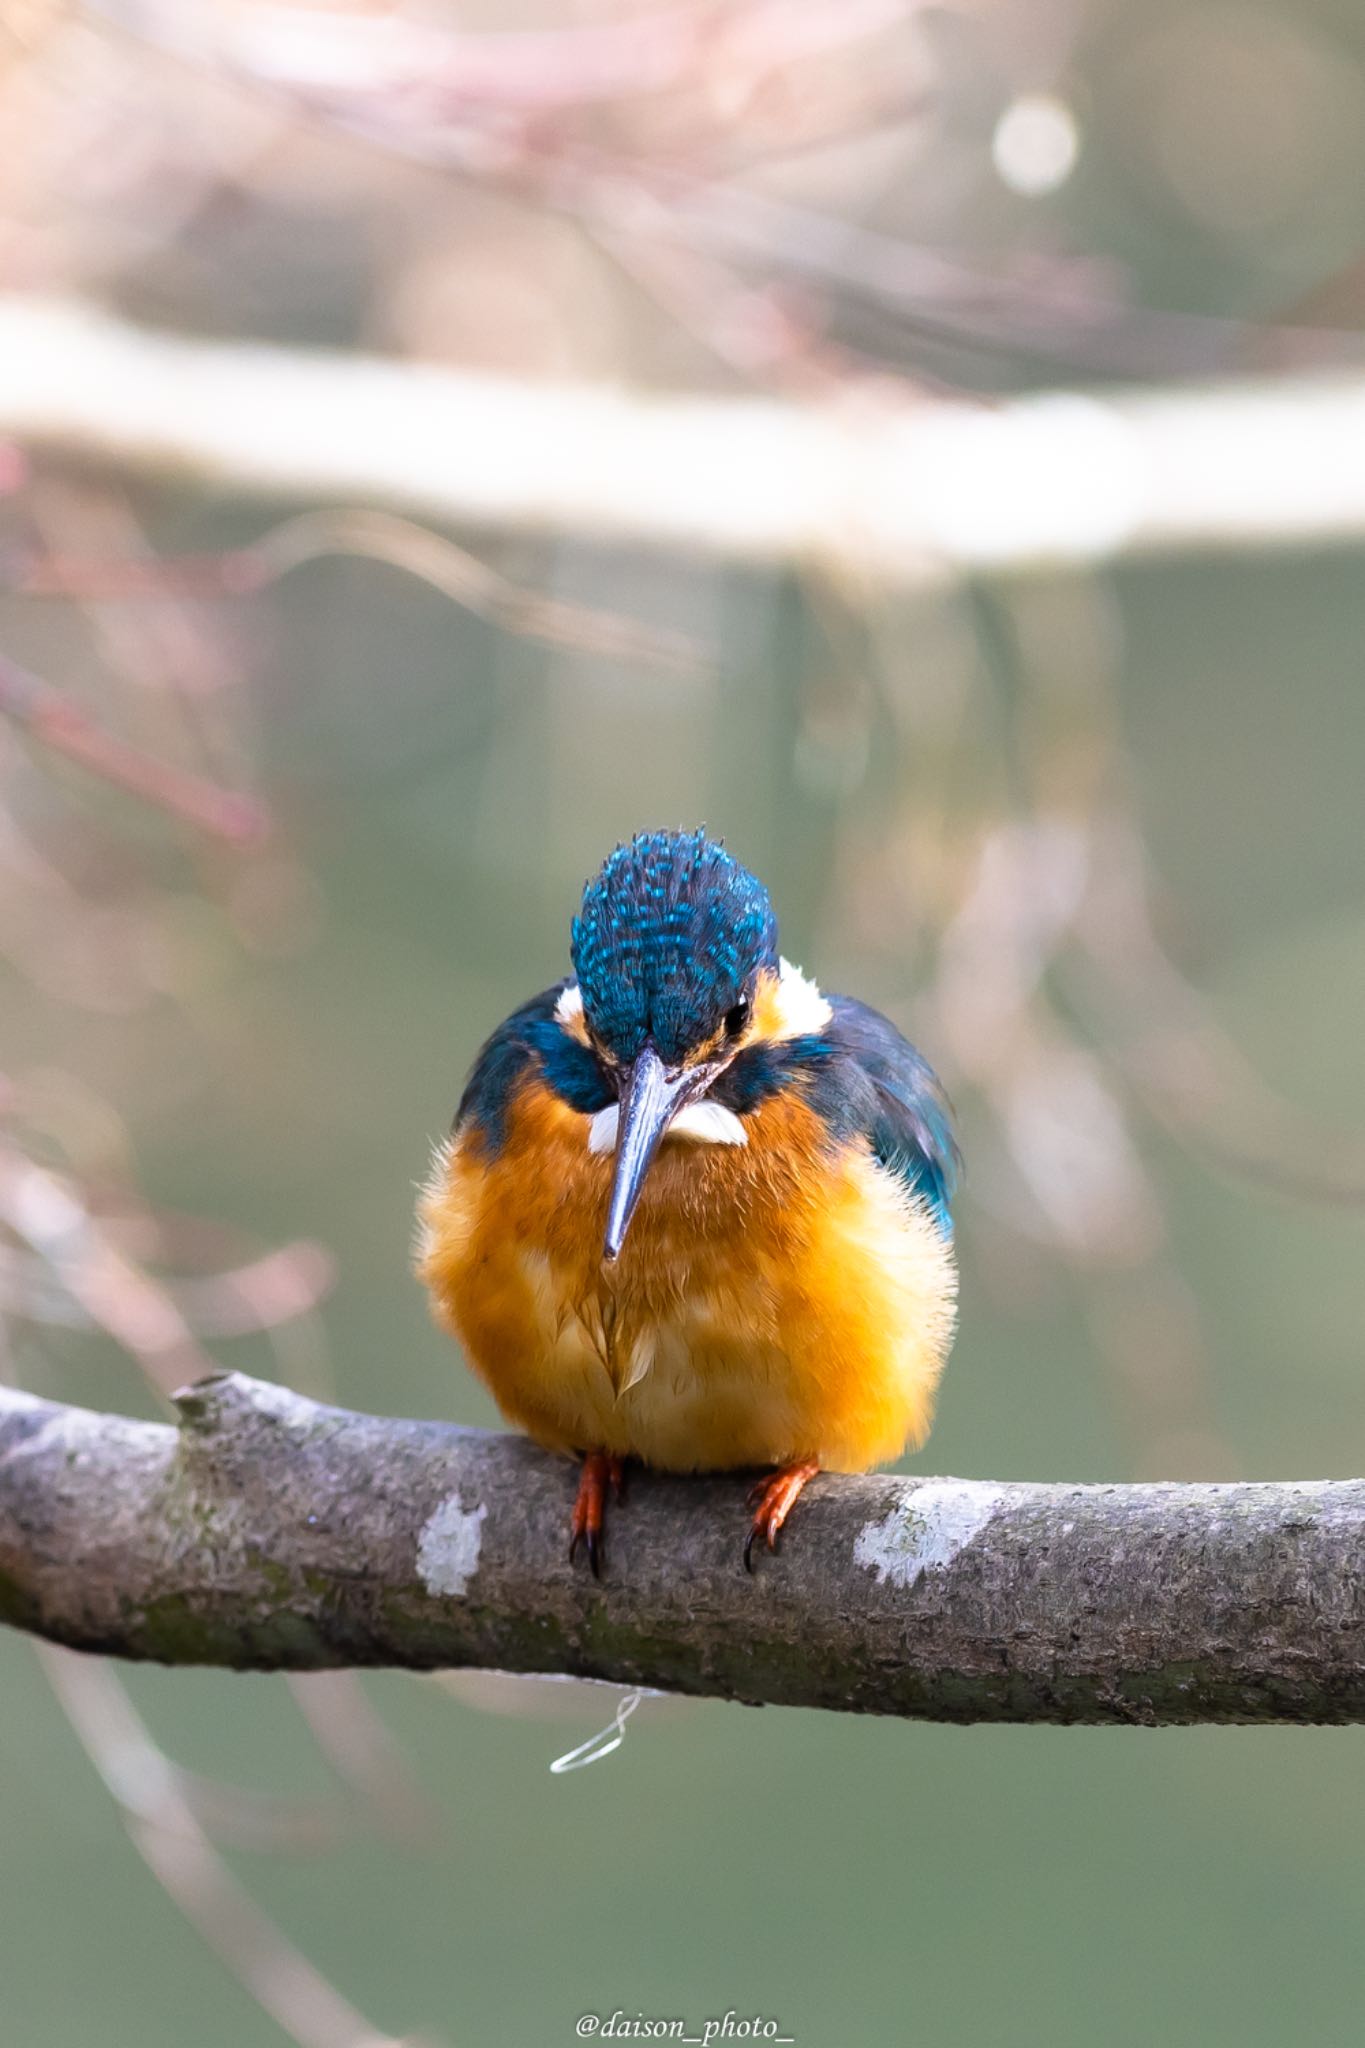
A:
x: 441, y: 789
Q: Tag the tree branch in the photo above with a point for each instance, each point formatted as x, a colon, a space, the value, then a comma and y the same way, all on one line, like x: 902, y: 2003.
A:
x: 267, y: 1532
x: 899, y: 489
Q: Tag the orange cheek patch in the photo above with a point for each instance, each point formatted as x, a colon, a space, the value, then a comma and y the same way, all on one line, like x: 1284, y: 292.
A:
x: 767, y: 1020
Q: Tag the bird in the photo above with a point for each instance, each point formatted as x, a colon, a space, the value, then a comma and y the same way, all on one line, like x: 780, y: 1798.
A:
x: 693, y: 1212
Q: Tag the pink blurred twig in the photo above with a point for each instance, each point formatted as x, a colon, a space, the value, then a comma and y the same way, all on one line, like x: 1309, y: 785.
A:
x: 46, y: 1212
x: 357, y: 1743
x: 372, y: 535
x: 57, y: 723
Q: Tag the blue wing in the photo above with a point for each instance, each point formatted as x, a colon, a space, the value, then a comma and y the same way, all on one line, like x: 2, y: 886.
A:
x: 901, y: 1108
x: 530, y: 1040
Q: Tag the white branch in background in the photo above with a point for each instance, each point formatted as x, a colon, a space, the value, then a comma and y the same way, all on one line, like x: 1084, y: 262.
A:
x: 905, y: 490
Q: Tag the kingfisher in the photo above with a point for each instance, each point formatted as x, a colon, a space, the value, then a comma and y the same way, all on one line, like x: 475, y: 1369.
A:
x: 693, y: 1212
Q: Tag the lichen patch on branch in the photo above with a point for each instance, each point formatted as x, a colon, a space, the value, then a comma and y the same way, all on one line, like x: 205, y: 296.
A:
x: 448, y: 1548
x: 925, y: 1532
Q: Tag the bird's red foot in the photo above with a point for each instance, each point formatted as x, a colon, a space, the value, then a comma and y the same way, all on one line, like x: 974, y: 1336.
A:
x: 600, y: 1471
x: 776, y: 1496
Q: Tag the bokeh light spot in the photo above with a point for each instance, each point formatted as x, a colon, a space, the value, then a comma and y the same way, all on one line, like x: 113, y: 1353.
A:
x: 1035, y: 145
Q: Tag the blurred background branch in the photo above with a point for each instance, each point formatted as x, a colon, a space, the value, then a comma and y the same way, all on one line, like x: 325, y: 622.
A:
x: 886, y: 485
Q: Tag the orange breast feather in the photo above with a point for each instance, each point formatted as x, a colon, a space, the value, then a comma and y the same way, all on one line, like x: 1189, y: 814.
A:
x: 772, y: 1301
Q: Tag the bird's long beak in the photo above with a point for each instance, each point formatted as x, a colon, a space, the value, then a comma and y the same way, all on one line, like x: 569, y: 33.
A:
x: 651, y: 1097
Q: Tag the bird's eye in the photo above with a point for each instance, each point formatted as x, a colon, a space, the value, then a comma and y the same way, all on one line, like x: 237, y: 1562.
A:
x: 736, y: 1019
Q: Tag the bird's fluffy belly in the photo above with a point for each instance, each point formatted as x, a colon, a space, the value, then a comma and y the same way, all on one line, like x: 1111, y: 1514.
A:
x: 770, y: 1302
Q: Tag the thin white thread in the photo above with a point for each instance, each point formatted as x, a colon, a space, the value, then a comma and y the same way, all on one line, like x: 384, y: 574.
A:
x: 604, y: 1742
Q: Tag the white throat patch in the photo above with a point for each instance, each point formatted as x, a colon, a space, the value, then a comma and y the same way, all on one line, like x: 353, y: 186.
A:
x: 704, y: 1123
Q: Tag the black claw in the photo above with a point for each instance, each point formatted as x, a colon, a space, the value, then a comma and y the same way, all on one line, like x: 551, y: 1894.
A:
x: 749, y: 1550
x: 595, y: 1553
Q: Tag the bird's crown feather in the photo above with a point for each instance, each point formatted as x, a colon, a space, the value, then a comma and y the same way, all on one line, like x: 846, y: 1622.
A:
x: 671, y: 933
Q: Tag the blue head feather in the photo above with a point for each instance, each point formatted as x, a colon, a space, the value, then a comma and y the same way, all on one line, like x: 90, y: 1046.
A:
x: 671, y: 933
